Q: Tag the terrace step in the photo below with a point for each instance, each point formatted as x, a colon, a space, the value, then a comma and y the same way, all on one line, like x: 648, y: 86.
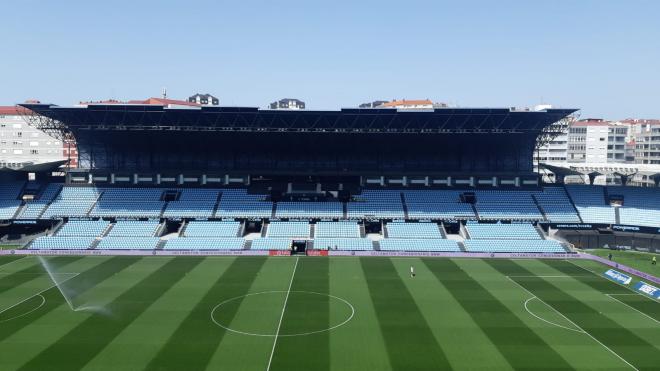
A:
x: 95, y: 244
x: 376, y: 245
x: 461, y: 246
x: 405, y: 206
x: 344, y: 210
x: 617, y: 215
x: 536, y: 202
x: 247, y: 245
x: 161, y: 244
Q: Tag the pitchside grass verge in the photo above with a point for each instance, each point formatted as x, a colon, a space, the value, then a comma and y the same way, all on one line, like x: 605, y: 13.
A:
x: 281, y: 313
x: 638, y: 260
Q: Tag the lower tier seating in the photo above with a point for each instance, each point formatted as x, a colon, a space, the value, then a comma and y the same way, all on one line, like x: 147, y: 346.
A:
x: 128, y: 243
x: 205, y: 243
x: 354, y: 244
x: 492, y: 231
x: 271, y: 244
x: 514, y: 246
x: 418, y: 244
x: 62, y: 243
x: 413, y: 230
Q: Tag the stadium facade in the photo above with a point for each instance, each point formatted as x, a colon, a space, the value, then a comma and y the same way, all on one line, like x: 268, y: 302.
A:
x: 207, y: 145
x: 218, y: 180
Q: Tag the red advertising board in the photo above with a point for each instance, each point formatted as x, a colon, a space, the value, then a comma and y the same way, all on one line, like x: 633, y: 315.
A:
x: 279, y: 252
x: 317, y: 252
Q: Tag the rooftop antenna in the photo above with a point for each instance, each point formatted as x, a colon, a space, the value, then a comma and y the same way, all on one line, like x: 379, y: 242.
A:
x: 164, y: 93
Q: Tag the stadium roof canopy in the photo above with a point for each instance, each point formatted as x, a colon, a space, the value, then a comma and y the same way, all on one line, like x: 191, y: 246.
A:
x: 214, y: 118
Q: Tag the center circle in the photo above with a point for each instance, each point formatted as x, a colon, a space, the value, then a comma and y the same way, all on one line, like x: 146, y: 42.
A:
x: 259, y: 306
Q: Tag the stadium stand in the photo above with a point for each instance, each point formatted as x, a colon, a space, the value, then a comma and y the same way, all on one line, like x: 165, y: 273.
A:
x: 590, y: 203
x: 128, y: 243
x: 309, y: 210
x: 72, y: 202
x: 288, y: 229
x: 129, y: 228
x: 506, y: 205
x: 513, y: 231
x: 62, y: 243
x: 514, y: 246
x: 344, y: 229
x: 271, y: 244
x: 353, y: 244
x: 641, y: 206
x: 205, y: 243
x: 556, y: 205
x: 83, y: 228
x: 193, y: 203
x: 418, y: 244
x: 413, y: 230
x: 237, y: 203
x: 33, y: 209
x: 376, y: 203
x: 437, y: 204
x: 129, y: 202
x: 212, y: 229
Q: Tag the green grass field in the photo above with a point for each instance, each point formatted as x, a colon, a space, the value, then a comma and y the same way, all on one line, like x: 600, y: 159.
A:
x: 638, y: 260
x: 223, y: 313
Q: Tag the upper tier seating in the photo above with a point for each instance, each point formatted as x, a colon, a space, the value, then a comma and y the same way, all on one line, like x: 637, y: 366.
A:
x: 130, y: 228
x: 309, y: 210
x: 590, y: 203
x: 556, y: 205
x: 193, y: 203
x: 83, y: 228
x: 337, y: 229
x: 129, y: 202
x: 437, y: 204
x: 271, y: 244
x: 128, y: 243
x: 8, y: 208
x: 288, y: 229
x: 513, y: 231
x: 72, y: 202
x: 353, y: 244
x: 205, y: 243
x: 212, y: 229
x: 514, y: 246
x: 507, y: 204
x: 62, y: 243
x: 418, y: 244
x: 33, y: 209
x: 641, y: 206
x: 237, y: 203
x: 11, y: 190
x: 413, y: 230
x: 376, y: 203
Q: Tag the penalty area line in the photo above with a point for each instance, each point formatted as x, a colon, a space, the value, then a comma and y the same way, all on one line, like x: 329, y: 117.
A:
x: 575, y: 324
x: 279, y: 325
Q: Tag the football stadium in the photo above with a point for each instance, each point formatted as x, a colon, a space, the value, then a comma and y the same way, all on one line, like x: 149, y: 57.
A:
x: 237, y: 238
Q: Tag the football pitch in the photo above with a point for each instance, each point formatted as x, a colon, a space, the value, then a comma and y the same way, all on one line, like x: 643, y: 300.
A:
x: 319, y: 313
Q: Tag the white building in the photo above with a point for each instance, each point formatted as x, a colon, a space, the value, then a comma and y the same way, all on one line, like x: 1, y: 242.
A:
x: 22, y: 144
x: 288, y: 103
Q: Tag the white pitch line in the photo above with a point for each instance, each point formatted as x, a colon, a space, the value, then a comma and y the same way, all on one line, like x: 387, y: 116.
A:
x: 39, y: 293
x: 598, y: 275
x: 286, y: 299
x: 575, y: 324
x: 633, y: 308
x: 545, y: 320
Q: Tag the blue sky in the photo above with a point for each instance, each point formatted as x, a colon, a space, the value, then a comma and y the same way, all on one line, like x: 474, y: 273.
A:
x: 601, y: 56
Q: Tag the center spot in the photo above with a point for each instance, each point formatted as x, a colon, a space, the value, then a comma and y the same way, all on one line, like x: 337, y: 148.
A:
x: 258, y: 314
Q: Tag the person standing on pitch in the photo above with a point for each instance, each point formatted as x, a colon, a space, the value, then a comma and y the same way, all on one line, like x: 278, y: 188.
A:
x: 653, y: 261
x: 412, y: 271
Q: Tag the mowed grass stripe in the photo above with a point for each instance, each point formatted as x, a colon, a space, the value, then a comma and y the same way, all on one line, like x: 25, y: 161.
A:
x: 8, y: 281
x: 99, y: 330
x: 358, y: 345
x: 6, y: 259
x: 642, y: 303
x: 304, y: 313
x: 624, y: 342
x: 519, y: 344
x: 410, y: 343
x: 193, y: 343
x: 79, y: 284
